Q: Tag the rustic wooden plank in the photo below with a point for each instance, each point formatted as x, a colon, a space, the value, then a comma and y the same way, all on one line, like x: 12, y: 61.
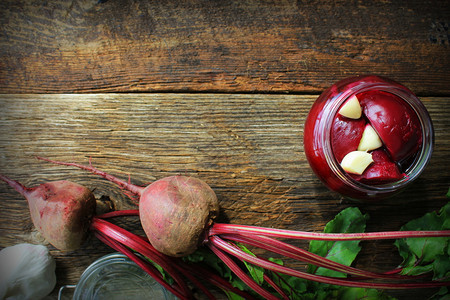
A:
x: 247, y: 147
x: 224, y: 46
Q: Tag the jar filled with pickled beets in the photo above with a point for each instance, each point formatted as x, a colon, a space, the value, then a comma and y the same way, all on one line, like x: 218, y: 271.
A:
x: 368, y: 137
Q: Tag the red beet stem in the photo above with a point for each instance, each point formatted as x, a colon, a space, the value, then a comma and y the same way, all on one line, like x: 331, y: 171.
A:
x: 290, y: 251
x: 241, y: 274
x: 119, y: 213
x: 266, y: 264
x: 282, y: 280
x: 275, y: 286
x: 195, y: 281
x: 146, y: 266
x: 185, y: 269
x: 137, y: 190
x: 213, y: 278
x: 139, y: 245
x: 218, y: 229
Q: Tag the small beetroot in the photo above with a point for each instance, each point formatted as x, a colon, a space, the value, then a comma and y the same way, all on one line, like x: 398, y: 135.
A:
x: 175, y: 211
x: 60, y: 210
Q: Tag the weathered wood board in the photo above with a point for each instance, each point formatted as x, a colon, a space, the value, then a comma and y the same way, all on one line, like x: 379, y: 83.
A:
x: 220, y: 46
x: 247, y: 147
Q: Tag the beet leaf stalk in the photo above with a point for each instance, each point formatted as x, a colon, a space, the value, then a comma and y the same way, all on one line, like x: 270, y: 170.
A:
x: 177, y: 214
x: 218, y: 229
x: 268, y: 265
x: 139, y: 250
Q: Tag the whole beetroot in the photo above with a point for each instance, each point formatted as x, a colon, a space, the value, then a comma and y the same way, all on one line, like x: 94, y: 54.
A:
x: 175, y: 212
x: 60, y: 210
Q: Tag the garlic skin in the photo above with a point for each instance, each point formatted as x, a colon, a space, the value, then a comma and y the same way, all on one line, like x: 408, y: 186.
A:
x: 26, y: 272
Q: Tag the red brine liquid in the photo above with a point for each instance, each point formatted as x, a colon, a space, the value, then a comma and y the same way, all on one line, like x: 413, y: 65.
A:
x: 400, y: 121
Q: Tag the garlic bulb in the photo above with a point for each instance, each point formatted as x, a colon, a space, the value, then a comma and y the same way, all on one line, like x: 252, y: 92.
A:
x: 26, y: 272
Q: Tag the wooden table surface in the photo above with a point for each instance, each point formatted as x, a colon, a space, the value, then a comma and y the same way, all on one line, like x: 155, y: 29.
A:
x: 214, y: 89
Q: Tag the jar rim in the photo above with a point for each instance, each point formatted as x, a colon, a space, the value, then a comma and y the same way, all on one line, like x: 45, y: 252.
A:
x: 420, y: 161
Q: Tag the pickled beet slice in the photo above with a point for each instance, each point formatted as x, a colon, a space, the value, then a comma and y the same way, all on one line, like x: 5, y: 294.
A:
x: 345, y: 135
x: 382, y: 170
x: 395, y: 122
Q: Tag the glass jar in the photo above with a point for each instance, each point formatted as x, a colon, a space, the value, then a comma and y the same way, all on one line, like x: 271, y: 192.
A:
x: 115, y: 276
x: 318, y: 145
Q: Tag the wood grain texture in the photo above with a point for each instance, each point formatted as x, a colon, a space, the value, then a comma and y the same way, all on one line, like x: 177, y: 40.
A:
x: 220, y: 46
x: 247, y: 147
